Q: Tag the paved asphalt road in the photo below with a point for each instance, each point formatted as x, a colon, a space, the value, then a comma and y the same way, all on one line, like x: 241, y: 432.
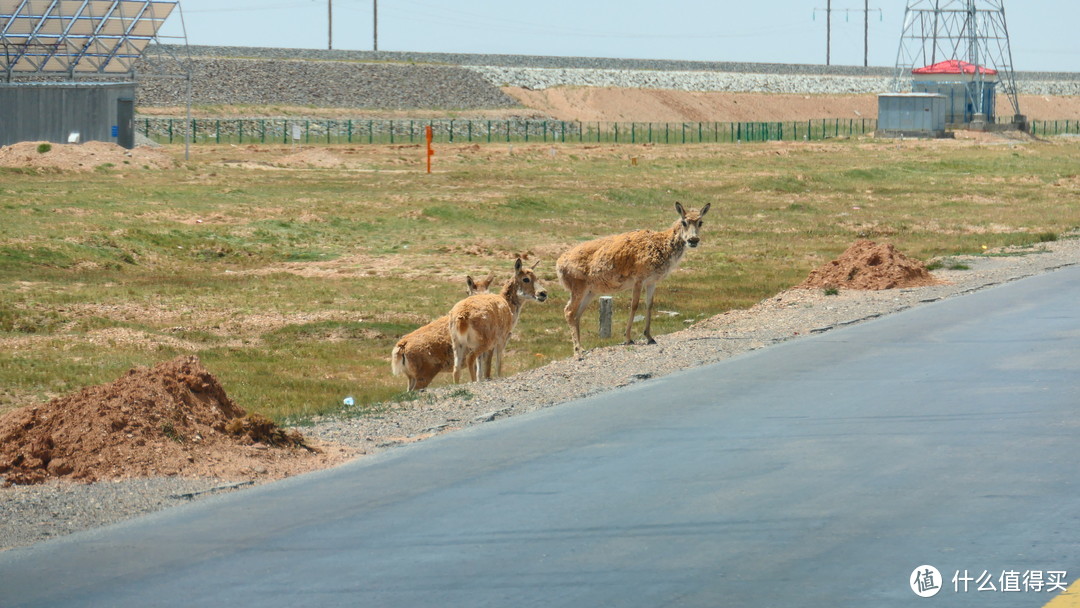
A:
x: 819, y: 472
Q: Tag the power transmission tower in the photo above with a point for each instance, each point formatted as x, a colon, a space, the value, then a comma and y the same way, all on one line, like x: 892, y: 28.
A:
x: 971, y: 31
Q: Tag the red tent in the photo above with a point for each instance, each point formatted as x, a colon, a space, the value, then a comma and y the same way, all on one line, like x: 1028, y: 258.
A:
x: 954, y: 66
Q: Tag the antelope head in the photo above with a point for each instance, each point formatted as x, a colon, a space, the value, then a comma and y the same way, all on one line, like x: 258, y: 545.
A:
x: 690, y: 224
x: 527, y: 284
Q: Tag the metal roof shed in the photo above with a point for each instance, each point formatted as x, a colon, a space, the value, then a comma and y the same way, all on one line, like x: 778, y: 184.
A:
x: 971, y: 89
x: 911, y: 115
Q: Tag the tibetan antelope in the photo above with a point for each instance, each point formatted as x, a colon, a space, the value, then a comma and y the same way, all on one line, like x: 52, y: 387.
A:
x: 638, y: 259
x: 480, y: 325
x: 426, y: 352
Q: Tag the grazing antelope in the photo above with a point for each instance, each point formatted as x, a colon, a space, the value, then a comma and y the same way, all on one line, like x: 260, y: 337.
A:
x: 426, y: 352
x: 638, y: 259
x: 480, y: 325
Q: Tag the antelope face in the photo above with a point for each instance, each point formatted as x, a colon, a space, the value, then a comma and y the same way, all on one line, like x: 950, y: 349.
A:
x: 690, y: 223
x: 528, y: 285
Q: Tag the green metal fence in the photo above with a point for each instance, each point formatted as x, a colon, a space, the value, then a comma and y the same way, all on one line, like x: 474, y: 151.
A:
x: 314, y: 131
x: 1055, y: 127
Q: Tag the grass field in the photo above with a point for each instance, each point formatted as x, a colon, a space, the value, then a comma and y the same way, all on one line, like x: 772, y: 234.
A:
x: 292, y: 283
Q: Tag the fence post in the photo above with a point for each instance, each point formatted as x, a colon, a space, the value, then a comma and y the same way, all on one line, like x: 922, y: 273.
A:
x: 605, y: 317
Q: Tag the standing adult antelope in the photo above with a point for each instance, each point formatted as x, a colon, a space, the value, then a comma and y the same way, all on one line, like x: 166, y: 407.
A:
x: 426, y: 352
x: 480, y: 325
x: 638, y: 259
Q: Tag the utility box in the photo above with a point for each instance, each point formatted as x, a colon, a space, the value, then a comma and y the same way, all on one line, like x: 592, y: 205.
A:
x: 53, y: 111
x: 911, y: 115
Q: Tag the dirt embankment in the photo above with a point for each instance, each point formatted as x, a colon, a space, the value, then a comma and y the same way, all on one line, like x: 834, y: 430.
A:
x: 86, y: 156
x: 655, y: 105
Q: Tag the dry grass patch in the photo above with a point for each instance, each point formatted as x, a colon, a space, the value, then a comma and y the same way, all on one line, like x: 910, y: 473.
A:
x: 294, y: 282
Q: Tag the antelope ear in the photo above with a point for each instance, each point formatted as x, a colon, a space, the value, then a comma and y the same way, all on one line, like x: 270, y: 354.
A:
x: 490, y: 277
x: 533, y: 267
x: 471, y: 284
x: 679, y: 208
x: 704, y: 210
x: 517, y: 265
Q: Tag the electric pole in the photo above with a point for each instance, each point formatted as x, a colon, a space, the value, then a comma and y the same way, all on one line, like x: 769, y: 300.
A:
x: 329, y: 24
x: 847, y: 13
x: 828, y: 32
x: 866, y: 34
x: 375, y: 22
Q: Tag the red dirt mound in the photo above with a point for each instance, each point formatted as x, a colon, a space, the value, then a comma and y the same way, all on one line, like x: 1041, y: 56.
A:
x: 173, y: 419
x: 868, y: 265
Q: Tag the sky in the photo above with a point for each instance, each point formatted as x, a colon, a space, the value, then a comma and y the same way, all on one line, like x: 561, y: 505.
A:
x: 1043, y: 33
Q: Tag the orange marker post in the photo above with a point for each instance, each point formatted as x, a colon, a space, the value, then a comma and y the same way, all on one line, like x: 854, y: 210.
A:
x: 430, y: 152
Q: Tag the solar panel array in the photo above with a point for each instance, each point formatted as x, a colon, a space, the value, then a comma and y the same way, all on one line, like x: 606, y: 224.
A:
x: 78, y: 36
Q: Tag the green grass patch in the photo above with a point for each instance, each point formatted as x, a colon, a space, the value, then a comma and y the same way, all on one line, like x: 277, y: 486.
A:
x: 293, y: 284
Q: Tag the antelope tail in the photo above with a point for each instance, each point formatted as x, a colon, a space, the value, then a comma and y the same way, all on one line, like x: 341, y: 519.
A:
x: 462, y: 326
x: 397, y: 359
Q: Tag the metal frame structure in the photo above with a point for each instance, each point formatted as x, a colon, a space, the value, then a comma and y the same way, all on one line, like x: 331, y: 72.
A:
x: 92, y: 40
x: 78, y: 36
x: 973, y: 31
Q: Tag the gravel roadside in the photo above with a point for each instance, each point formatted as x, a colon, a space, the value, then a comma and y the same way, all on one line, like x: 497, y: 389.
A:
x: 31, y: 514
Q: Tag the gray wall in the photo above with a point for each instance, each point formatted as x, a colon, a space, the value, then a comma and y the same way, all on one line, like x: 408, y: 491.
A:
x: 49, y: 112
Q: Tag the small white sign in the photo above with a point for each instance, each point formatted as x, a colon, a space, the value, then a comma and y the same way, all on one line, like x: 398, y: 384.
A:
x: 297, y: 132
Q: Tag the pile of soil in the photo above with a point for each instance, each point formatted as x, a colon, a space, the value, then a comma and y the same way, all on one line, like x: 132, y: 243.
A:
x: 312, y: 157
x: 173, y: 419
x: 82, y: 157
x: 870, y: 266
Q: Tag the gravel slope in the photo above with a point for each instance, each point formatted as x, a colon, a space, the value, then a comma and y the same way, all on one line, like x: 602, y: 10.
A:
x: 30, y: 514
